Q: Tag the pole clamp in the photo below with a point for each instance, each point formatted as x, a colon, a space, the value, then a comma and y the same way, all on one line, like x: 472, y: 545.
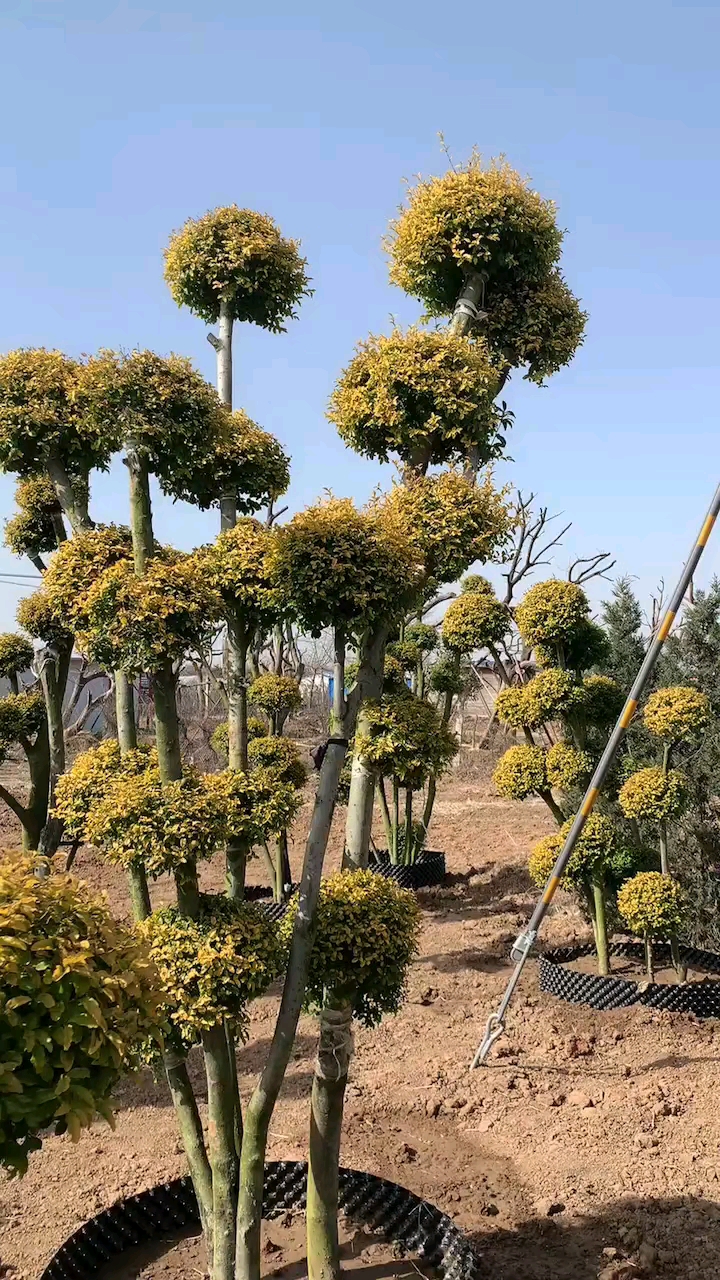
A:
x: 523, y: 945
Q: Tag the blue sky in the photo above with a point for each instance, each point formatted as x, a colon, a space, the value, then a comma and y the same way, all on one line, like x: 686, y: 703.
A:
x: 123, y: 119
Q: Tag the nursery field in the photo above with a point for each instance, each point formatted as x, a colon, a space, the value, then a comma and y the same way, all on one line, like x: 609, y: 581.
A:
x: 586, y: 1147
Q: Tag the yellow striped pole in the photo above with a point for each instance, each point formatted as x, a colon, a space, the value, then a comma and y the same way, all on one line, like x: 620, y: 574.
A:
x: 524, y: 944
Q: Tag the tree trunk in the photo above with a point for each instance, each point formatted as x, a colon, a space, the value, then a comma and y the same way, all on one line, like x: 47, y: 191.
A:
x: 191, y: 1133
x: 34, y: 814
x: 72, y: 503
x: 328, y: 1094
x: 601, y: 939
x: 54, y: 665
x: 223, y: 350
x: 358, y: 826
x: 237, y: 848
x: 127, y: 739
x: 223, y: 1156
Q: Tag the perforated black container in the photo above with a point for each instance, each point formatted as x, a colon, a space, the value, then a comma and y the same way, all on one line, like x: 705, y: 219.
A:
x: 428, y: 870
x: 384, y: 1207
x: 701, y: 998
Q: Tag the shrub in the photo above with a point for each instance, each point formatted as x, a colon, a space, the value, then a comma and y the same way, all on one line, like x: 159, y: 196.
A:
x: 472, y: 219
x: 38, y: 616
x: 543, y: 859
x: 141, y: 623
x: 597, y: 846
x: 361, y: 916
x: 550, y: 612
x: 211, y: 968
x: 475, y: 620
x: 520, y: 772
x: 279, y: 756
x: 275, y: 694
x: 78, y: 1001
x: 424, y: 636
x: 405, y: 739
x: 219, y: 740
x: 653, y: 796
x: 474, y: 583
x: 567, y: 767
x: 78, y: 565
x: 239, y: 458
x: 448, y: 675
x: 238, y: 566
x: 539, y: 325
x: 424, y: 395
x: 91, y: 775
x: 550, y: 695
x: 406, y: 653
x: 652, y: 904
x: 41, y: 413
x: 16, y: 654
x: 451, y: 521
x: 603, y: 700
x: 239, y: 255
x: 21, y: 715
x: 345, y: 568
x: 677, y: 713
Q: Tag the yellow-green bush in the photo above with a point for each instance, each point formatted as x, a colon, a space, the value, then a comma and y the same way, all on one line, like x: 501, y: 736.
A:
x: 567, y: 767
x: 652, y: 904
x: 551, y: 611
x: 474, y: 620
x: 211, y: 968
x: 78, y: 565
x: 279, y: 756
x: 238, y: 565
x: 653, y: 796
x: 140, y: 623
x: 90, y: 776
x: 393, y: 675
x: 366, y: 935
x: 521, y: 772
x: 474, y: 218
x: 78, y: 1001
x: 543, y: 858
x: 539, y: 325
x: 592, y: 855
x: 448, y: 674
x: 423, y: 635
x: 510, y: 707
x: 31, y: 531
x: 677, y: 713
x: 406, y: 653
x: 239, y: 459
x: 550, y: 695
x: 404, y: 738
x: 42, y: 412
x: 451, y: 521
x: 603, y: 700
x: 164, y: 825
x: 424, y: 395
x: 342, y: 567
x: 475, y: 583
x: 16, y: 654
x: 273, y: 694
x: 38, y: 616
x: 21, y: 715
x: 220, y: 737
x: 240, y: 255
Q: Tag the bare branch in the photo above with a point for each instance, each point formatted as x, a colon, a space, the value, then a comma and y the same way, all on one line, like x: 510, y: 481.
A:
x: 587, y: 567
x: 531, y: 547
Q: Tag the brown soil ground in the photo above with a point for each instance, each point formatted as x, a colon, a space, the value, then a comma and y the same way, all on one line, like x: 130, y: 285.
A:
x: 587, y: 1147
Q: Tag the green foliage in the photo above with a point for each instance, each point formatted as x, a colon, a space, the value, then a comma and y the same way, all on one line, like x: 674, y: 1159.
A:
x: 366, y: 936
x: 653, y: 796
x: 212, y: 967
x: 424, y: 395
x: 406, y: 653
x: 140, y: 623
x: 539, y: 325
x: 38, y: 616
x: 622, y: 619
x: 159, y: 405
x: 510, y: 707
x: 448, y: 675
x: 677, y: 714
x: 279, y: 756
x: 603, y: 700
x: 405, y: 739
x: 164, y: 825
x: 595, y: 850
x: 475, y: 584
x: 567, y: 767
x: 21, y: 716
x: 242, y: 459
x: 43, y: 414
x: 220, y: 737
x: 238, y: 565
x: 31, y: 531
x: 275, y: 694
x: 586, y: 646
x: 550, y: 695
x: 238, y: 255
x: 478, y: 219
x: 393, y: 675
x: 16, y: 654
x: 90, y: 776
x: 475, y: 620
x: 77, y: 566
x: 424, y: 636
x: 340, y: 567
x: 77, y: 1001
x: 652, y: 904
x: 550, y: 612
x: 451, y: 521
x: 521, y: 772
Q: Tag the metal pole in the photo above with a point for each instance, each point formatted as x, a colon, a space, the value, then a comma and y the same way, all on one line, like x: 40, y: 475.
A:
x: 525, y: 942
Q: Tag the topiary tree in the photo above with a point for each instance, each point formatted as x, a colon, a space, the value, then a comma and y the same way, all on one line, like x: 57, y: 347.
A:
x: 37, y: 528
x: 652, y: 905
x: 361, y: 919
x: 405, y: 740
x: 78, y: 1002
x: 277, y: 696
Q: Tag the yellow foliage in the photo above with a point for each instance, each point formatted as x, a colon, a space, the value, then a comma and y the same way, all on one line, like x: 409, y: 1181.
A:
x: 90, y: 776
x: 677, y: 713
x: 520, y: 772
x: 567, y: 767
x: 475, y: 620
x: 652, y: 796
x: 551, y: 611
x: 652, y: 904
